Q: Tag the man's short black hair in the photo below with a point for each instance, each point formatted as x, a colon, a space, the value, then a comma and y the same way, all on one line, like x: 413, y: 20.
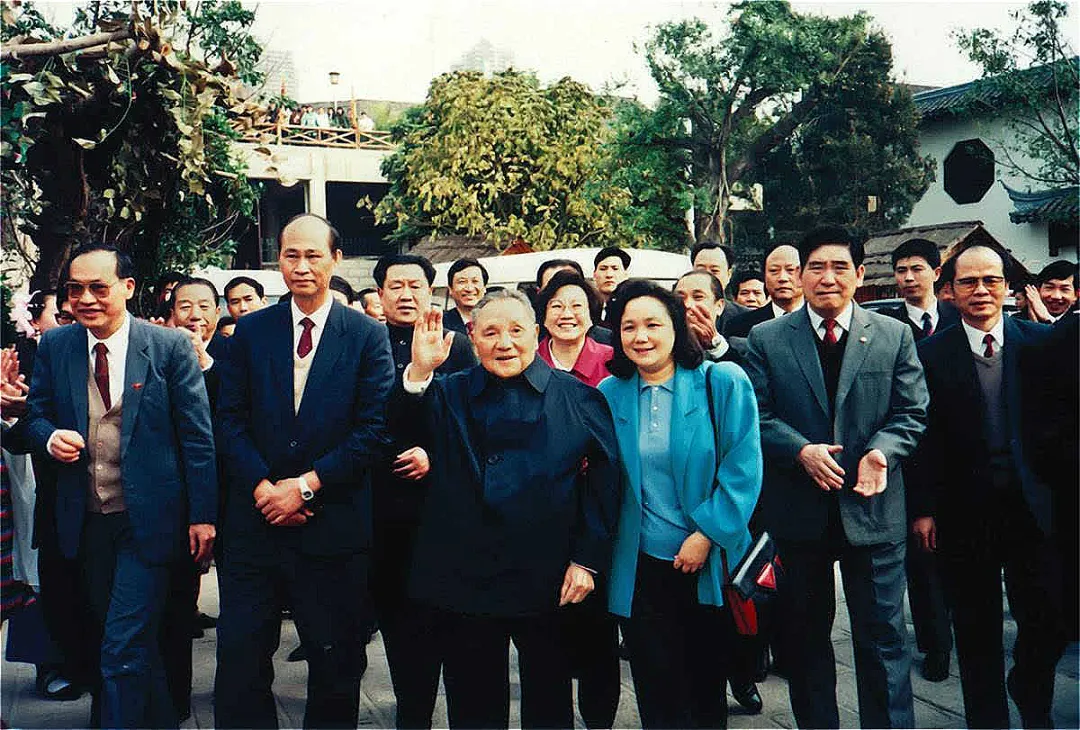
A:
x: 948, y: 273
x: 708, y: 246
x: 609, y: 251
x: 125, y: 269
x: 557, y: 264
x: 240, y: 281
x: 195, y: 281
x: 224, y: 322
x: 364, y: 292
x: 335, y: 237
x: 686, y: 350
x: 714, y: 283
x: 169, y: 277
x: 558, y: 281
x: 402, y: 259
x: 339, y: 284
x: 830, y: 235
x: 740, y: 279
x: 1060, y: 270
x: 921, y: 247
x: 461, y: 265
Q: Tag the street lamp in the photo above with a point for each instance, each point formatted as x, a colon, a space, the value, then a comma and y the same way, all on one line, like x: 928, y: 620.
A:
x: 335, y: 78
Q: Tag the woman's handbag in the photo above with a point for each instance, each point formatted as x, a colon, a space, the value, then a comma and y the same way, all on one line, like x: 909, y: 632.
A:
x: 757, y: 575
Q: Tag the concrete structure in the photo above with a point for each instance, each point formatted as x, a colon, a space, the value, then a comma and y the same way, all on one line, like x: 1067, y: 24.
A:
x: 955, y: 120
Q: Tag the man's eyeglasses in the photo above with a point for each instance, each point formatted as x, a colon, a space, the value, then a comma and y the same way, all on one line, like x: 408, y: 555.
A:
x: 64, y: 317
x: 99, y: 289
x: 969, y: 283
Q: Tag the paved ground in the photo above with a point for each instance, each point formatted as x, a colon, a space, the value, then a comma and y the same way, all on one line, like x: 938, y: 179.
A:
x: 936, y: 705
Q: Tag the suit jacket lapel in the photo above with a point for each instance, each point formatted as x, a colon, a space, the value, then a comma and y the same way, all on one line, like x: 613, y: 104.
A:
x: 859, y: 341
x: 78, y: 374
x: 688, y: 384
x: 1014, y: 340
x: 281, y: 361
x: 806, y: 355
x: 135, y: 369
x: 625, y: 411
x: 331, y: 345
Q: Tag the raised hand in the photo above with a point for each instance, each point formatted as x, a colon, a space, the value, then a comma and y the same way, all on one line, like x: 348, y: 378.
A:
x: 430, y: 348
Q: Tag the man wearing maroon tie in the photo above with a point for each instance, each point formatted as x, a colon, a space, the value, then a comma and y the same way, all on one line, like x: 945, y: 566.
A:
x: 977, y: 504
x: 301, y: 420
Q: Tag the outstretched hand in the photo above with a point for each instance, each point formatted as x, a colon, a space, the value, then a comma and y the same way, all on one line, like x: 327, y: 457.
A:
x: 430, y: 347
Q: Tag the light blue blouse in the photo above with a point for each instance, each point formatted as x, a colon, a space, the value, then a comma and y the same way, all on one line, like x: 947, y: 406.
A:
x: 663, y: 527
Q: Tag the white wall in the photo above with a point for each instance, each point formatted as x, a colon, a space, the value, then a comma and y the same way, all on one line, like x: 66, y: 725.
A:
x: 1027, y: 241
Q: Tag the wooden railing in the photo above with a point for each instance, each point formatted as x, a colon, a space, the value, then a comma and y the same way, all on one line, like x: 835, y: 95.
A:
x: 273, y: 133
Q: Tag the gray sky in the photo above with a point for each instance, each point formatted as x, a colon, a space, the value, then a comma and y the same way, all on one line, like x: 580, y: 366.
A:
x: 392, y: 50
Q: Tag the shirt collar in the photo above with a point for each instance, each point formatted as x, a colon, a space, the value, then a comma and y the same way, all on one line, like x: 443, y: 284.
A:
x: 668, y: 385
x: 915, y: 314
x: 976, y: 336
x: 537, y: 375
x: 319, y: 316
x: 843, y: 319
x: 116, y: 341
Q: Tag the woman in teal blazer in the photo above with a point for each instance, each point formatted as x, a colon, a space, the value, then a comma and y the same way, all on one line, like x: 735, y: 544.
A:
x: 681, y: 505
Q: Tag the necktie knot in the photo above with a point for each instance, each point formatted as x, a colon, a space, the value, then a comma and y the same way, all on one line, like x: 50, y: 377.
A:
x: 988, y: 340
x: 830, y: 331
x: 100, y: 349
x: 927, y: 324
x: 303, y: 348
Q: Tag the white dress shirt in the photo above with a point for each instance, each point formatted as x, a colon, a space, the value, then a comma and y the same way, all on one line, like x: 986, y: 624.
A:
x: 843, y: 320
x: 915, y: 314
x: 976, y: 337
x: 302, y: 365
x: 117, y: 345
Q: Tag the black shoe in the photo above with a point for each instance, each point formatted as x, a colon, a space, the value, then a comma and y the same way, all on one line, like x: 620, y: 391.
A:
x: 197, y: 632
x: 935, y: 667
x: 624, y: 653
x: 205, y: 622
x: 53, y: 685
x: 297, y: 655
x: 748, y: 697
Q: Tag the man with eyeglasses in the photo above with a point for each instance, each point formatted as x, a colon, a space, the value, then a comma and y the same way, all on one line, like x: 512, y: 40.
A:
x: 129, y: 498
x: 976, y: 502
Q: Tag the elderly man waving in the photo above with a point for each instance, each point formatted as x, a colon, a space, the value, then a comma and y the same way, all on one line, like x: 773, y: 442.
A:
x: 522, y: 502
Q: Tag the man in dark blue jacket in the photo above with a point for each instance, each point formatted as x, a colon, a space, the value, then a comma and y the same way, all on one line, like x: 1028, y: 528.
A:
x: 300, y: 423
x: 516, y: 521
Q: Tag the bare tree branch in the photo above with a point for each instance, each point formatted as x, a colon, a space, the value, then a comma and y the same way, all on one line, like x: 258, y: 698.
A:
x: 57, y: 48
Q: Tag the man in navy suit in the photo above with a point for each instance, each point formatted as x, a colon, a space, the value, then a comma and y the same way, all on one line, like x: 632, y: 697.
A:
x: 917, y: 267
x: 300, y: 423
x: 121, y: 405
x: 783, y: 284
x: 976, y: 501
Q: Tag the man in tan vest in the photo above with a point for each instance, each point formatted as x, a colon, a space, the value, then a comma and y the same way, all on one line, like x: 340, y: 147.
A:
x: 121, y: 405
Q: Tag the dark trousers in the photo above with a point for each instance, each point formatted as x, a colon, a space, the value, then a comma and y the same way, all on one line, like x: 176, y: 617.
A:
x: 127, y: 598
x: 477, y: 671
x: 409, y: 630
x: 926, y: 596
x: 973, y: 552
x: 63, y: 605
x: 177, y: 624
x: 592, y: 649
x: 330, y: 602
x: 678, y: 650
x: 874, y: 583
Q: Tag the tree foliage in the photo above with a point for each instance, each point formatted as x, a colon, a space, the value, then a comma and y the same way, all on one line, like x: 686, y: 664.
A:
x: 1032, y: 76
x: 782, y: 88
x: 127, y: 142
x: 504, y: 158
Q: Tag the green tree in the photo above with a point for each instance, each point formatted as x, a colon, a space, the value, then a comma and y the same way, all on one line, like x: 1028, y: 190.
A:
x: 1031, y: 75
x: 504, y: 158
x: 781, y: 83
x: 120, y: 130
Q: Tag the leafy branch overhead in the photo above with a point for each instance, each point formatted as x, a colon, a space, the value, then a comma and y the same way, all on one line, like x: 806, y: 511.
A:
x: 120, y: 130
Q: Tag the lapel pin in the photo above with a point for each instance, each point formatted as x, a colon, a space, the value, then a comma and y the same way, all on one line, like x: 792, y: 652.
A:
x: 862, y: 339
x: 136, y: 386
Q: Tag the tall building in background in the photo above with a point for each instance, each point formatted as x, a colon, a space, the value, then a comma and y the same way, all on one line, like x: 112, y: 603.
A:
x: 485, y: 58
x: 280, y: 73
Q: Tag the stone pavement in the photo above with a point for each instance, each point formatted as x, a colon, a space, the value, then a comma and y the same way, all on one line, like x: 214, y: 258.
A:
x: 936, y: 705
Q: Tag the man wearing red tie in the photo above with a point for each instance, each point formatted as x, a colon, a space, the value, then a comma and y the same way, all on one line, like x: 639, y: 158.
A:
x: 301, y: 422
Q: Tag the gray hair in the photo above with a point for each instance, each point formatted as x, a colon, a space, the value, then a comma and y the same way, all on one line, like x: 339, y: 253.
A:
x: 502, y: 294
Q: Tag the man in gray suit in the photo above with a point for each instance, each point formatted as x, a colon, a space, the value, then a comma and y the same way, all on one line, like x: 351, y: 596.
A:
x: 121, y: 405
x: 843, y: 400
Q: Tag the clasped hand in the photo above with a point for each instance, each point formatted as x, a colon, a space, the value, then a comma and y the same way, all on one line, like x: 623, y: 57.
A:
x: 818, y: 462
x: 280, y: 502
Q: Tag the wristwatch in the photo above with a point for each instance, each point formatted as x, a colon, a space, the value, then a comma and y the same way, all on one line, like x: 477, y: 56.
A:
x: 305, y: 491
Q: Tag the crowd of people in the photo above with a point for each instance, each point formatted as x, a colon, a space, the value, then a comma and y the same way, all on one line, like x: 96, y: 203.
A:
x: 328, y: 117
x: 552, y: 471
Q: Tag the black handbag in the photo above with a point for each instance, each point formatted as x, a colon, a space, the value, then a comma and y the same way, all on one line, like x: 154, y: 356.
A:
x: 756, y: 577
